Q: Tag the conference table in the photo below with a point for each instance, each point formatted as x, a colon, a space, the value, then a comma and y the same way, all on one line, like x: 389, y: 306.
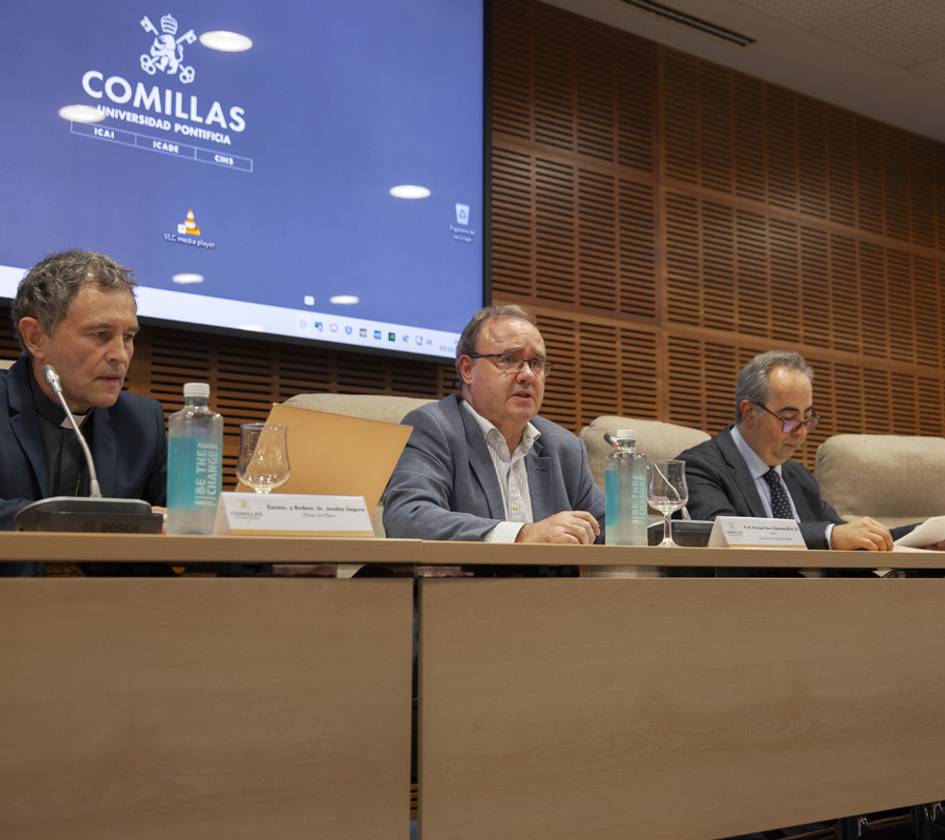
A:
x: 549, y: 707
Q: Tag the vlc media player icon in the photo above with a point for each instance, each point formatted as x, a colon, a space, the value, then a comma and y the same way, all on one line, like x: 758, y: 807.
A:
x: 189, y: 225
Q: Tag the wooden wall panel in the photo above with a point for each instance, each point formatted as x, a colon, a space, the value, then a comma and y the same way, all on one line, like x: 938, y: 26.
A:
x: 666, y: 219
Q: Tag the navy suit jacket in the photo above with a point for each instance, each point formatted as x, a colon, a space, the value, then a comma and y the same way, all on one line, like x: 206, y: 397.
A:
x: 720, y: 484
x: 445, y: 486
x: 128, y: 447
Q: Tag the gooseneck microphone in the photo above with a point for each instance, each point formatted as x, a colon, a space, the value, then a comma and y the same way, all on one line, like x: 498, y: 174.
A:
x: 52, y: 379
x: 91, y: 513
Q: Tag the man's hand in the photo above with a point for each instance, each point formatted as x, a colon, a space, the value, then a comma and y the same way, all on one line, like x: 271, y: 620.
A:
x: 569, y: 526
x: 861, y: 533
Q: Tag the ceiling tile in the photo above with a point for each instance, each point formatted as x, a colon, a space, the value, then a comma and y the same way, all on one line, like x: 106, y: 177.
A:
x: 809, y: 14
x: 902, y: 32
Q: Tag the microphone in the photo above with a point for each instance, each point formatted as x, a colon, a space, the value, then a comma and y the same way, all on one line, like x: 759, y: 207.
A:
x: 92, y: 513
x: 52, y: 379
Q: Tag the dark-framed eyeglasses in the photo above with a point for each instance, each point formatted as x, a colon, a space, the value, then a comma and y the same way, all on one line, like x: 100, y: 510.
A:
x: 513, y: 363
x: 789, y: 425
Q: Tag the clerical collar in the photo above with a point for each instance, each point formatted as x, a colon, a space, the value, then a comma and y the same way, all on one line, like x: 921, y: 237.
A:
x: 49, y: 409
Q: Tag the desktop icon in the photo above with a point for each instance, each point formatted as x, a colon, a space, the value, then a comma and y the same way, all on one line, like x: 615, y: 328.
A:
x: 391, y: 336
x: 189, y: 225
x: 319, y: 326
x: 377, y: 334
x: 362, y: 332
x: 462, y: 214
x: 348, y: 330
x: 333, y: 327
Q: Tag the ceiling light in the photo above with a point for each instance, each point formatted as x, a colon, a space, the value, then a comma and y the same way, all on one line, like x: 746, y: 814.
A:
x: 411, y: 191
x: 344, y: 300
x: 81, y: 113
x: 223, y: 41
x: 184, y: 279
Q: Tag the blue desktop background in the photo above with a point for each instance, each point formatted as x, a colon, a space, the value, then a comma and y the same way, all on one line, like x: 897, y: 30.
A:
x: 340, y: 102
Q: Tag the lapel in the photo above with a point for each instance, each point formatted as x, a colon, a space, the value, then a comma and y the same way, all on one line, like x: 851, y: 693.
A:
x: 480, y: 462
x: 24, y: 421
x: 789, y: 475
x: 540, y: 486
x: 743, y: 480
x: 103, y: 451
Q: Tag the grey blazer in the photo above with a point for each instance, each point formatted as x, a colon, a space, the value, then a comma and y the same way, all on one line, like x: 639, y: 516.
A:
x: 445, y: 487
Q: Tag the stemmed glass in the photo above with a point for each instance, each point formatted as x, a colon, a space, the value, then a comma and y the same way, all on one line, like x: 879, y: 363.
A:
x: 667, y: 492
x: 264, y: 458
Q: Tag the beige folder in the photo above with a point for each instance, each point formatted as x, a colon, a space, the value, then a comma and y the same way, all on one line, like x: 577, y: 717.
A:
x: 337, y: 455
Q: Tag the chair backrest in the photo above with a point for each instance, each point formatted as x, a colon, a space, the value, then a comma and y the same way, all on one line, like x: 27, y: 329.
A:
x: 655, y: 439
x: 896, y: 479
x: 382, y: 407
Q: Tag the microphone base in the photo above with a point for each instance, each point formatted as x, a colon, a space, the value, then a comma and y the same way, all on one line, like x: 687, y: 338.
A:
x: 90, y: 515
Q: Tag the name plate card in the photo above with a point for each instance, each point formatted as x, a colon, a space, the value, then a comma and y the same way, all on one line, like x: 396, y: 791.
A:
x: 753, y: 532
x: 289, y: 514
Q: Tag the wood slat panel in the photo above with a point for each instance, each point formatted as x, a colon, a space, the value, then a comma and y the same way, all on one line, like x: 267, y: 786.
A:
x: 512, y: 63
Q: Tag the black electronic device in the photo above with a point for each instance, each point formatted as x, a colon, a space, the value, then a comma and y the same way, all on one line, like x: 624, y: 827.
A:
x: 693, y: 533
x: 93, y: 515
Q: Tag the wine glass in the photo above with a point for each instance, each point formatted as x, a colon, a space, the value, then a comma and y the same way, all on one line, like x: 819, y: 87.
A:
x: 264, y: 458
x: 667, y: 492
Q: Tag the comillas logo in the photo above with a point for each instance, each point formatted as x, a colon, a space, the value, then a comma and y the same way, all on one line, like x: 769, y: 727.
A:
x: 162, y: 108
x: 167, y: 51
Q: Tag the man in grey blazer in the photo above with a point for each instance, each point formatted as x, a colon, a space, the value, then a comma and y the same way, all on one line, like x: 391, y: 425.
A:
x: 747, y: 470
x: 483, y: 465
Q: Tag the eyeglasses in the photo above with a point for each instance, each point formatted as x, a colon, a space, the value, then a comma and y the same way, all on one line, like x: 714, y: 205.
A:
x: 789, y: 425
x: 511, y: 363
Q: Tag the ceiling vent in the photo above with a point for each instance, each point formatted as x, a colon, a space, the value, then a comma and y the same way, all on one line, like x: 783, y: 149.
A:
x: 691, y: 21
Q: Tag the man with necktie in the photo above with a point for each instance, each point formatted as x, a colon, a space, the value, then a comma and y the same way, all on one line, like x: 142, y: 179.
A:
x: 747, y: 469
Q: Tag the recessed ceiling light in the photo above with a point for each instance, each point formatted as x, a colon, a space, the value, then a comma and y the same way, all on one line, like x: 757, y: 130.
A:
x: 409, y: 191
x: 81, y: 113
x: 344, y: 300
x: 226, y: 41
x: 250, y: 327
x: 184, y: 279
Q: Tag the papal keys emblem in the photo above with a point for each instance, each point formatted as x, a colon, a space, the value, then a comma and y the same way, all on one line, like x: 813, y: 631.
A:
x: 167, y: 51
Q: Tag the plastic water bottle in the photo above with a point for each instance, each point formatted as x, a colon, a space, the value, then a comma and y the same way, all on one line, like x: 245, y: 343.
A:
x: 194, y: 463
x: 625, y: 493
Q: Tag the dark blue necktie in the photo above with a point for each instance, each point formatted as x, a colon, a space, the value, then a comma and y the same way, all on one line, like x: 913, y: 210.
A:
x: 780, y: 503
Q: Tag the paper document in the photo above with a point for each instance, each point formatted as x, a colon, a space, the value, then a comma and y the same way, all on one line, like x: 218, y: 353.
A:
x: 930, y: 531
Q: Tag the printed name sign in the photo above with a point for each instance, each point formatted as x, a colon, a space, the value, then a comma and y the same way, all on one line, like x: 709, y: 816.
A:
x: 753, y: 532
x: 292, y: 514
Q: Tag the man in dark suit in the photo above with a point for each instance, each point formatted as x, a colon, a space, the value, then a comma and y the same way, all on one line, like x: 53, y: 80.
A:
x: 747, y: 469
x: 483, y: 466
x: 76, y: 312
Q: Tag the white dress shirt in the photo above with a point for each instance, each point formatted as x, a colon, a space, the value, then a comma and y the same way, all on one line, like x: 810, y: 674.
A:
x: 512, y: 475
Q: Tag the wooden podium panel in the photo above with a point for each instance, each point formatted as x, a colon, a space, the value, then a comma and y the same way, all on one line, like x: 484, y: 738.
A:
x: 670, y: 708
x: 203, y: 708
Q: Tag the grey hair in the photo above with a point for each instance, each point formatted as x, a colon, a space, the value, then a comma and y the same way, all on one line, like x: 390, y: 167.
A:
x: 46, y: 292
x: 752, y: 382
x: 470, y: 334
